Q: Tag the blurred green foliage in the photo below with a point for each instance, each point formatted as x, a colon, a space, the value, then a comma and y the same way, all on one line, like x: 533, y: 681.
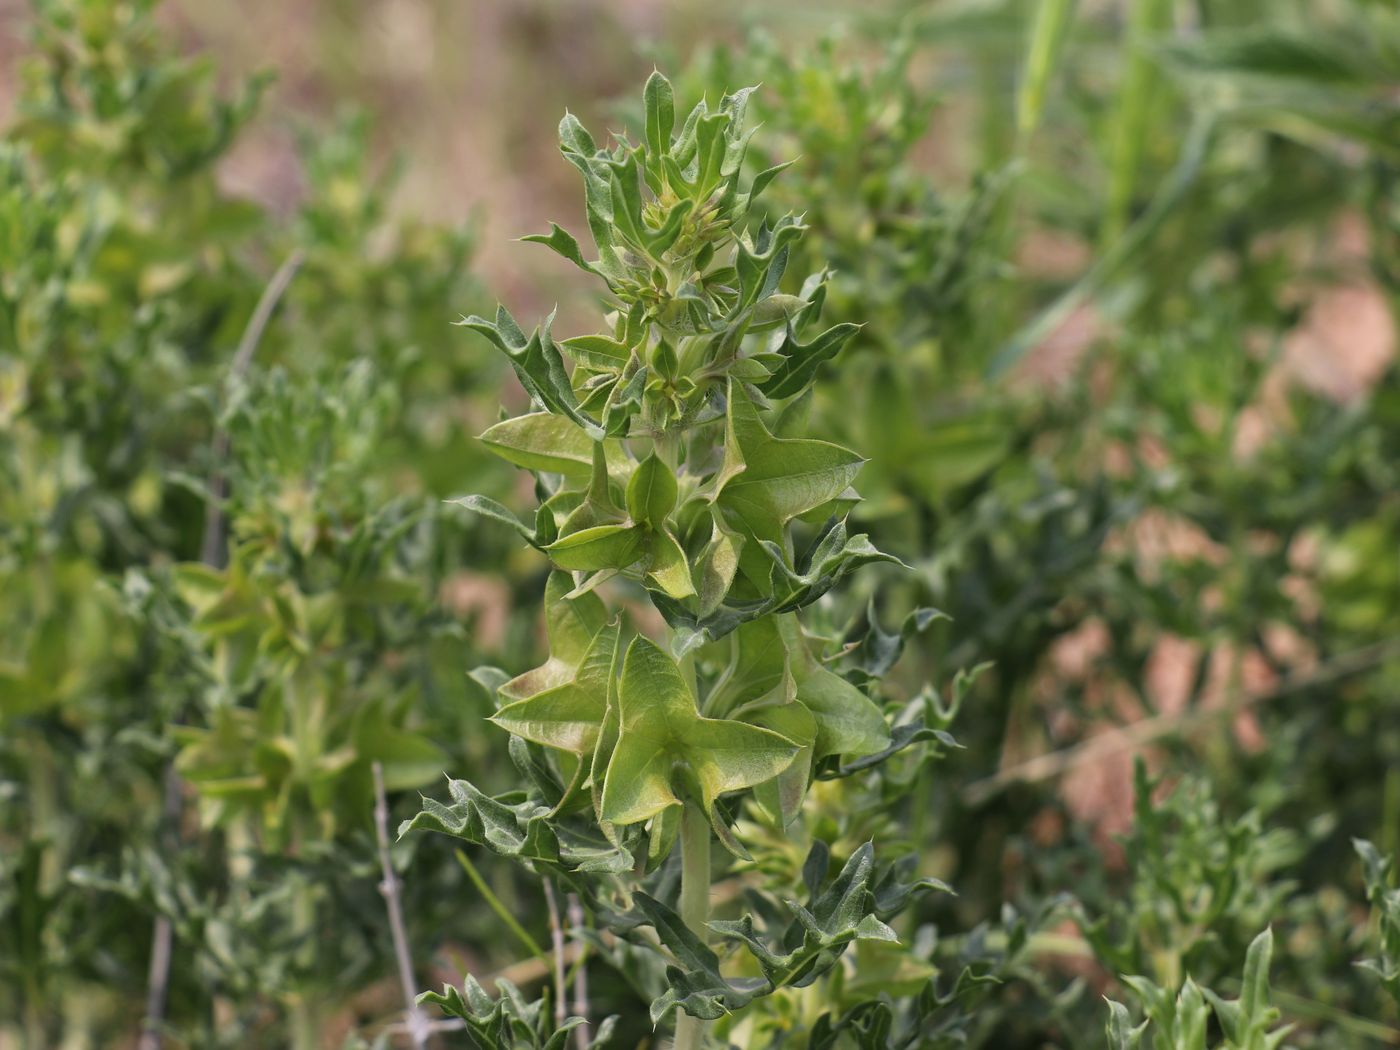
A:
x: 1127, y: 276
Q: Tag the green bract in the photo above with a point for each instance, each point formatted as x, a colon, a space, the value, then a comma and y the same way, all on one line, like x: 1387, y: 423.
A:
x: 669, y: 460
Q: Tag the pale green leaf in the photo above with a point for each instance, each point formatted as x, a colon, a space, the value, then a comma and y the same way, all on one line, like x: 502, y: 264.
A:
x: 659, y: 727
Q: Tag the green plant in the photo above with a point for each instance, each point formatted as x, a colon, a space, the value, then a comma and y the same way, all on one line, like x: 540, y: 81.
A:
x: 668, y: 467
x: 1385, y: 901
x: 178, y: 367
x: 1179, y: 1020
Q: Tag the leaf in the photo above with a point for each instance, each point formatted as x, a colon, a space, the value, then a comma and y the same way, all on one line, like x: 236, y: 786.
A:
x: 879, y: 650
x: 598, y: 352
x: 522, y: 829
x: 509, y: 1022
x: 545, y: 442
x: 537, y: 364
x: 1119, y: 1030
x: 780, y: 478
x: 659, y: 726
x: 651, y: 493
x: 696, y: 985
x: 660, y: 102
x: 599, y: 547
x: 562, y: 242
x: 489, y: 508
x: 801, y: 361
x: 820, y: 933
x: 1254, y: 996
x: 849, y: 723
x: 834, y: 555
x: 718, y: 564
x: 568, y: 716
x: 571, y: 625
x: 668, y: 567
x: 781, y: 798
x: 764, y: 178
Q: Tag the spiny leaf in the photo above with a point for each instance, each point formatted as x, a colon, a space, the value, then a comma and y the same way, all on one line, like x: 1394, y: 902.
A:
x: 537, y: 363
x: 571, y: 625
x: 659, y: 727
x: 568, y: 716
x: 780, y: 478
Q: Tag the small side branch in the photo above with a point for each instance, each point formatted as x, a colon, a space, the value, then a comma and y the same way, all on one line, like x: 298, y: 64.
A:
x: 416, y: 1022
x: 580, y: 973
x: 211, y: 549
x: 1149, y: 730
x: 556, y: 936
x: 163, y: 935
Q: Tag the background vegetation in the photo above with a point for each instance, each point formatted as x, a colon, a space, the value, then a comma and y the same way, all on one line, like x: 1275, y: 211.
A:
x: 1127, y: 274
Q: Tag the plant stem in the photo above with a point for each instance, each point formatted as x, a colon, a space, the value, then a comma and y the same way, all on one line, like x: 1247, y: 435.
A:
x: 413, y: 1017
x: 502, y: 912
x: 576, y: 921
x: 556, y: 936
x: 695, y: 903
x: 304, y: 1013
x: 305, y: 1022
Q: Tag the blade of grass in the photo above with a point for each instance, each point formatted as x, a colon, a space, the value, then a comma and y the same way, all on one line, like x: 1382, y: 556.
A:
x: 1046, y: 43
x: 1137, y: 94
x: 1169, y: 195
x: 502, y: 913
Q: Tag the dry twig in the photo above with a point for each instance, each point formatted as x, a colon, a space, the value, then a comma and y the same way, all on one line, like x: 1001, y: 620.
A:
x: 1138, y: 734
x: 416, y: 1023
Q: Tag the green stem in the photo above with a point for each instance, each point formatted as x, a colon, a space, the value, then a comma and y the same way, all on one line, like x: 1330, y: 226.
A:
x: 304, y: 1011
x: 305, y: 1023
x: 695, y: 903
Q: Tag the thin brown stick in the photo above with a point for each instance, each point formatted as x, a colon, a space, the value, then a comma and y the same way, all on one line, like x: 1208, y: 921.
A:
x: 556, y: 937
x: 415, y: 1020
x: 211, y: 549
x: 1138, y: 734
x: 163, y: 934
x: 211, y: 554
x: 575, y: 913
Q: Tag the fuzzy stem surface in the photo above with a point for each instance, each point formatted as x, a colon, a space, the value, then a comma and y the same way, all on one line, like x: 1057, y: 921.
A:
x: 695, y: 903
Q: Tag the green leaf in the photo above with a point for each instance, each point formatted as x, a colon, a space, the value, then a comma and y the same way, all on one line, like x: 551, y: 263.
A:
x: 1119, y: 1030
x: 599, y: 547
x: 659, y: 727
x: 660, y: 102
x: 1254, y: 996
x: 696, y: 985
x: 781, y: 798
x: 848, y: 722
x: 668, y: 567
x: 801, y: 360
x: 562, y: 242
x: 773, y: 479
x: 545, y: 442
x: 537, y: 363
x: 598, y: 352
x: 834, y: 556
x: 718, y: 564
x: 651, y: 493
x: 820, y: 933
x: 525, y: 829
x: 571, y: 625
x: 510, y: 1022
x: 489, y: 508
x: 568, y: 716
